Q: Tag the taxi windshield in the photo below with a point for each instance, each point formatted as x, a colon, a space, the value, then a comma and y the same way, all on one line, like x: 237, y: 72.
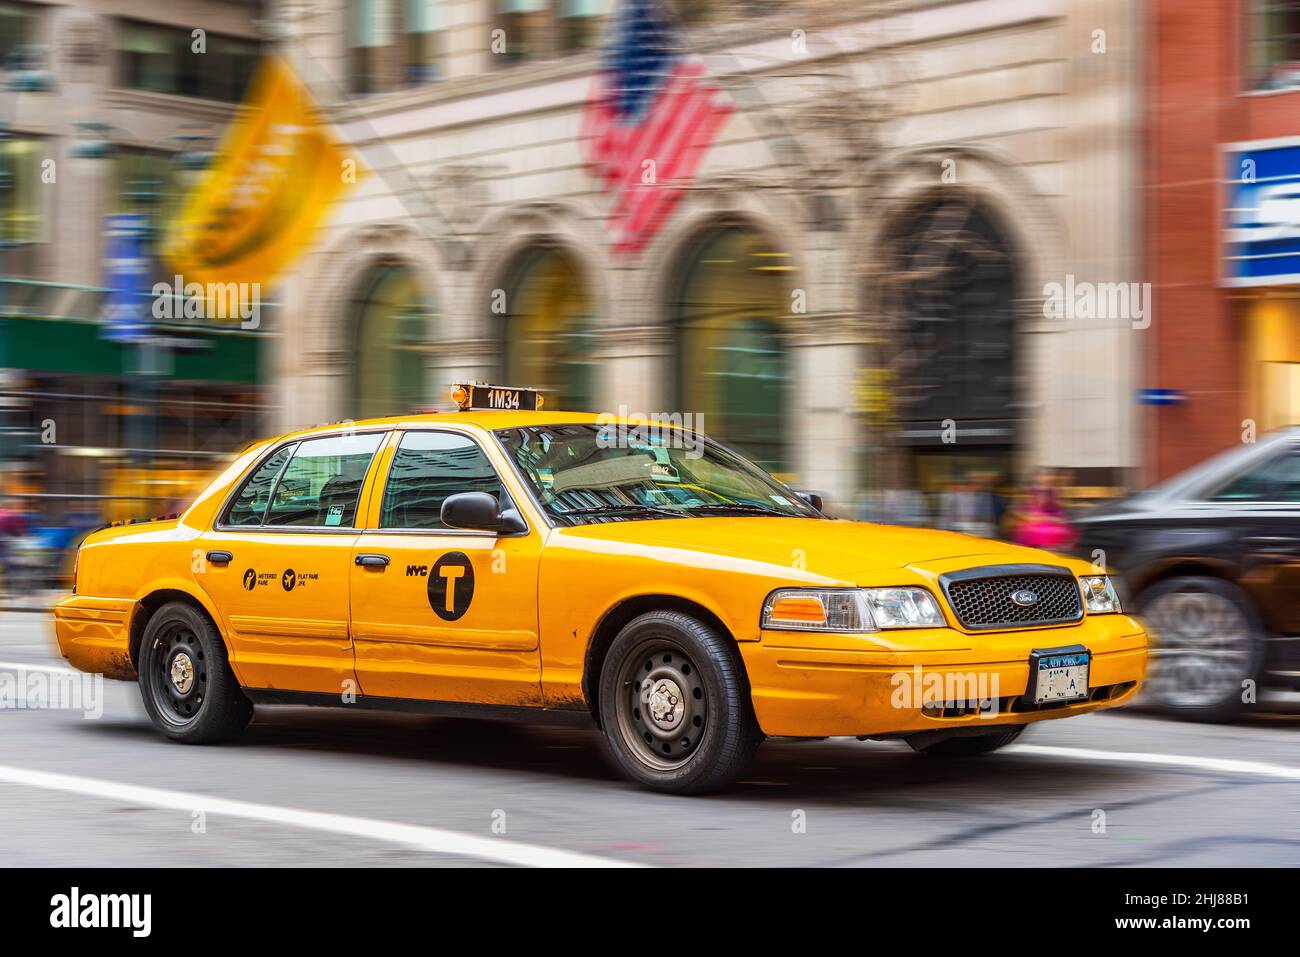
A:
x: 598, y: 473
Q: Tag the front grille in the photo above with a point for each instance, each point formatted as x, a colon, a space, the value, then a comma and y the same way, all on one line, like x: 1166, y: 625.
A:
x: 981, y: 597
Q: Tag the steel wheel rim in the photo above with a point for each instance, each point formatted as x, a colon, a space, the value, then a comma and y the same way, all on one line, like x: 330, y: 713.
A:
x: 179, y: 682
x: 662, y: 706
x: 1200, y: 649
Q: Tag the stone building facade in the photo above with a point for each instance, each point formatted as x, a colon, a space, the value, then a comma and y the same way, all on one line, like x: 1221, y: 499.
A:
x: 851, y: 289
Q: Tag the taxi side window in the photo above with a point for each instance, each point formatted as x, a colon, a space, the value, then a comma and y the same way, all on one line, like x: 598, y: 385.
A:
x: 428, y: 467
x: 322, y: 482
x: 249, y: 505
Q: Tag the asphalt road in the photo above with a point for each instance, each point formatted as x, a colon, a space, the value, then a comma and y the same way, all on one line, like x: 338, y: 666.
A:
x: 325, y: 787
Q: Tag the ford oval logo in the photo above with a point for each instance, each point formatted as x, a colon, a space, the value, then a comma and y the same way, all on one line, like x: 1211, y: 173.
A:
x: 1025, y: 598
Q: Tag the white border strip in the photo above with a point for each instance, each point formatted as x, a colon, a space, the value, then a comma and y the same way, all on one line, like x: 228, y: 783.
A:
x: 429, y: 839
x: 1191, y: 762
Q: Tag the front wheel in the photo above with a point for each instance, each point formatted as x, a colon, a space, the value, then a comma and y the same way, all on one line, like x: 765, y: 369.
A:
x: 674, y: 705
x: 189, y: 691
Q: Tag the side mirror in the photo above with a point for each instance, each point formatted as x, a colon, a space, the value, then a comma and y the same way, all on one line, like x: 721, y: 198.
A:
x: 480, y: 512
x: 812, y: 498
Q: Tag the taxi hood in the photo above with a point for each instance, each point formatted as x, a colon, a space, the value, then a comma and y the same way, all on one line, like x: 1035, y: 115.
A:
x: 840, y: 550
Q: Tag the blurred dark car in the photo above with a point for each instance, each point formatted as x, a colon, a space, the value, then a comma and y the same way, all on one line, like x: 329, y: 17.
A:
x: 1211, y: 563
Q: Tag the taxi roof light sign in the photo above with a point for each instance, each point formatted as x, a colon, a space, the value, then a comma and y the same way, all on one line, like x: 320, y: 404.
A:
x: 497, y: 398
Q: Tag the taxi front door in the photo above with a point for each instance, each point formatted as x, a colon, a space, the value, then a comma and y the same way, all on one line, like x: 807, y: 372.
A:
x: 443, y: 614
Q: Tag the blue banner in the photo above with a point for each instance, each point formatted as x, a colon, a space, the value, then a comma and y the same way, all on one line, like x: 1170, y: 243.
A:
x: 1262, y: 213
x: 126, y: 277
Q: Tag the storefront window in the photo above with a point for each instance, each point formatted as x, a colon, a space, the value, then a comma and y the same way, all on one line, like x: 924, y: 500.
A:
x: 1274, y: 39
x: 549, y: 328
x: 394, y: 336
x: 732, y: 364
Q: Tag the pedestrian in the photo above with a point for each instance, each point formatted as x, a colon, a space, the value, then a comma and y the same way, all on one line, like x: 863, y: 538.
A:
x: 970, y: 508
x: 1043, y: 522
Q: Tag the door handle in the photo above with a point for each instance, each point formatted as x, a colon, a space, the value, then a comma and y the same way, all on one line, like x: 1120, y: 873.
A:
x: 373, y: 561
x: 220, y: 557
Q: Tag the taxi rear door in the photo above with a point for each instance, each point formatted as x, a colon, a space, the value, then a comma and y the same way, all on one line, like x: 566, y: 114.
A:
x: 278, y: 563
x: 438, y: 613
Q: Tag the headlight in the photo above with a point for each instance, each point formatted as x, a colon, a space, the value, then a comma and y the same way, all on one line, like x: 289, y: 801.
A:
x: 1099, y: 595
x: 904, y: 608
x: 851, y: 609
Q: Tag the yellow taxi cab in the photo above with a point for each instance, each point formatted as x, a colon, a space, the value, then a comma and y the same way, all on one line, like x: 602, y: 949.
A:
x: 508, y: 561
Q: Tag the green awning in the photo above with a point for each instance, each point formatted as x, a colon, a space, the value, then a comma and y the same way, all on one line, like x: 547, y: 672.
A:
x: 76, y: 347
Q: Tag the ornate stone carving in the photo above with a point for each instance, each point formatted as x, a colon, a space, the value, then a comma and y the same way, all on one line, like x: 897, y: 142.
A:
x: 462, y: 193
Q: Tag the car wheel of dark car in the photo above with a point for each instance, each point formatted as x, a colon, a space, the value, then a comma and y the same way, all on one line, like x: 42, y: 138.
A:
x: 189, y: 691
x: 1206, y: 644
x: 674, y: 705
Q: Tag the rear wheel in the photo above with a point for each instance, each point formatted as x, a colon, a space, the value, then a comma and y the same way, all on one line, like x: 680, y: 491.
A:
x: 674, y: 705
x: 189, y: 691
x: 966, y: 746
x: 1206, y: 643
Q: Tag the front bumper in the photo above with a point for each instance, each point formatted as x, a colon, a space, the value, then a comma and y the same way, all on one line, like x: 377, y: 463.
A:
x: 823, y: 685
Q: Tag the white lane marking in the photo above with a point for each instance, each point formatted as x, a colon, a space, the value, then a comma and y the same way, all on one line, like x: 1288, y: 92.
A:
x: 47, y: 669
x: 421, y: 838
x: 1224, y: 765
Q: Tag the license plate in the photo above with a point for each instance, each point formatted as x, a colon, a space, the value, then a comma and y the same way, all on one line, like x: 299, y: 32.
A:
x: 1059, y: 674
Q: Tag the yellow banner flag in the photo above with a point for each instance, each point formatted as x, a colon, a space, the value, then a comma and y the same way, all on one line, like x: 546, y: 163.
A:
x: 275, y: 175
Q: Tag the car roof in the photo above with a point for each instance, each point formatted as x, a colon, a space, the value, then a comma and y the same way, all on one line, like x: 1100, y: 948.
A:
x: 489, y: 420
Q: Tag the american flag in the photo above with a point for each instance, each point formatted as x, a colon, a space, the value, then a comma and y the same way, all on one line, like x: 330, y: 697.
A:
x: 648, y: 105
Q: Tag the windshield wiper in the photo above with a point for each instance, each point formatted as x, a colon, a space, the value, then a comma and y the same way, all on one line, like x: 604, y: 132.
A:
x: 614, y: 510
x: 737, y: 507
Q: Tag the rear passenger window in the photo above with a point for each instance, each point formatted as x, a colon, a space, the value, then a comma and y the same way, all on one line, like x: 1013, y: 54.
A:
x: 249, y: 505
x: 1277, y: 480
x: 428, y: 467
x: 322, y: 482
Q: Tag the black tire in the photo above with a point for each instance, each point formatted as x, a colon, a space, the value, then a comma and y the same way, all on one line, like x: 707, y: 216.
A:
x: 967, y: 746
x: 189, y: 691
x: 1207, y: 640
x: 690, y: 728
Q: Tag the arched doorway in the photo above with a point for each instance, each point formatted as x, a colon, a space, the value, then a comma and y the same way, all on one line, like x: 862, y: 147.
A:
x: 549, y: 327
x: 732, y: 366
x: 951, y: 362
x: 394, y: 332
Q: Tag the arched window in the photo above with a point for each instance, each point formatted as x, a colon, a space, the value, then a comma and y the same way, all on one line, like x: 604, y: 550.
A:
x: 394, y: 332
x: 732, y: 364
x: 548, y: 328
x: 952, y: 350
